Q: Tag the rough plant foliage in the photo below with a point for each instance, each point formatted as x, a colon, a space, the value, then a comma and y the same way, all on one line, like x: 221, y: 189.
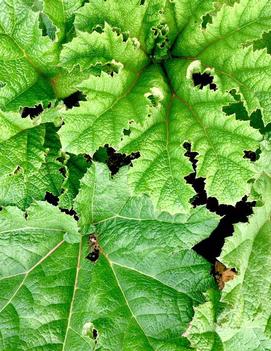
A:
x: 128, y: 129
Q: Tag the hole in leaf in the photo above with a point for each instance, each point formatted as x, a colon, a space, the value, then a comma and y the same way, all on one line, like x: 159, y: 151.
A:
x: 94, y: 248
x: 142, y: 2
x: 126, y: 132
x: 32, y: 111
x: 113, y: 159
x: 95, y: 333
x: 251, y: 155
x: 90, y: 331
x: 62, y: 170
x: 70, y: 212
x: 52, y: 199
x: 206, y: 20
x: 222, y: 274
x: 74, y: 99
x: 211, y: 247
x: 204, y: 79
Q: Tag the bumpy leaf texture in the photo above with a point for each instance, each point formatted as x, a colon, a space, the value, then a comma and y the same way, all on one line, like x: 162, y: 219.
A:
x: 144, y: 77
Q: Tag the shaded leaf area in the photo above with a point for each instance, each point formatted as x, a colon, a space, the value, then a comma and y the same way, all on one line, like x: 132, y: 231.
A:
x: 114, y: 160
x: 239, y: 110
x: 211, y: 247
x: 75, y: 166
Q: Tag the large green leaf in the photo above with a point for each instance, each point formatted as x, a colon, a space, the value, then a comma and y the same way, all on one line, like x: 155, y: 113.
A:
x: 244, y: 322
x: 138, y: 295
x: 161, y: 109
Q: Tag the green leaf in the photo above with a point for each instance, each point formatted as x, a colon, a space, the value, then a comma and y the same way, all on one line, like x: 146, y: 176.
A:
x: 155, y: 104
x: 243, y: 323
x: 138, y: 295
x: 62, y: 13
x: 135, y: 19
x: 220, y: 46
x: 220, y: 140
x: 28, y: 164
x: 27, y: 58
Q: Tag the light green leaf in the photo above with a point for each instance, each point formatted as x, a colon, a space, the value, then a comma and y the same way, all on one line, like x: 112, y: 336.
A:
x: 155, y: 105
x: 135, y: 18
x: 244, y: 322
x: 220, y: 140
x: 221, y: 46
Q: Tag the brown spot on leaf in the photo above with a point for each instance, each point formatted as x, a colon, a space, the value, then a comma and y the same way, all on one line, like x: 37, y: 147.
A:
x: 223, y: 274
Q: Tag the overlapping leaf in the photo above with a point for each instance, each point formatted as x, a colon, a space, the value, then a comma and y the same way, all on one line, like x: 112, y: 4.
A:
x: 27, y: 160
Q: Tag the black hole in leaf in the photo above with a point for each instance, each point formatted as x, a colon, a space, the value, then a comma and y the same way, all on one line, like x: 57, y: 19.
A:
x: 113, y: 159
x: 211, y: 247
x: 95, y: 333
x: 52, y: 199
x: 251, y: 155
x: 142, y: 2
x: 25, y: 214
x: 204, y: 79
x: 93, y: 256
x: 62, y: 170
x: 31, y: 111
x: 70, y: 212
x: 74, y: 99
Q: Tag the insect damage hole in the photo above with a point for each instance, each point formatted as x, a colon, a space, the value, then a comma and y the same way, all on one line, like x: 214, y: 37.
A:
x: 31, y: 111
x: 74, y: 99
x: 94, y: 249
x: 204, y: 79
x: 251, y: 155
x: 90, y: 331
x: 51, y: 198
